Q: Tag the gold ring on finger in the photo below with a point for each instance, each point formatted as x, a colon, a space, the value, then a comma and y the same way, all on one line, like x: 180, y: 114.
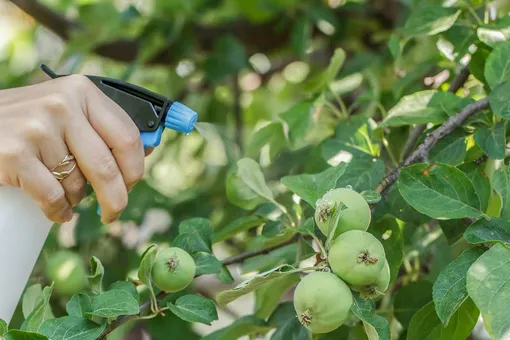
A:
x: 61, y: 175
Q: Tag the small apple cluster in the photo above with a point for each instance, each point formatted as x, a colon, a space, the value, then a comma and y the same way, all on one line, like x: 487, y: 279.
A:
x: 356, y: 261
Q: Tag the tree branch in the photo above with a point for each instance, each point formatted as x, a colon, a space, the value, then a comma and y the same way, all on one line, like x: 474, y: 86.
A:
x: 457, y: 83
x: 228, y: 261
x: 421, y: 152
x: 242, y: 257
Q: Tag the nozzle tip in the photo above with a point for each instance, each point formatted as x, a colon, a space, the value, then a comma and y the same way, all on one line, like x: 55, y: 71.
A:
x: 181, y: 118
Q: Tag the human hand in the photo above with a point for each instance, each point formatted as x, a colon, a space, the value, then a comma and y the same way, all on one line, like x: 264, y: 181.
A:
x: 42, y: 123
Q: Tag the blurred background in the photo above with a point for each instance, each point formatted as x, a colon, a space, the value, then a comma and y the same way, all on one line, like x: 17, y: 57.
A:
x: 239, y: 64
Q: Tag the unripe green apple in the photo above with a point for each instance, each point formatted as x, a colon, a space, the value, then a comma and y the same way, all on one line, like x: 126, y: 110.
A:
x: 357, y: 257
x: 355, y: 215
x: 173, y: 269
x: 68, y: 271
x: 322, y: 302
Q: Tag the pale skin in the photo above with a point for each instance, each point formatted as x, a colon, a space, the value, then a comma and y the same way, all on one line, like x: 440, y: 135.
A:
x: 41, y: 124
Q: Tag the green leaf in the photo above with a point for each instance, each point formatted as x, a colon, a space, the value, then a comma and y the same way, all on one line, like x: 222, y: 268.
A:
x: 146, y: 264
x: 31, y: 298
x: 425, y: 324
x: 195, y: 235
x: 500, y: 182
x: 461, y: 38
x: 319, y: 82
x: 477, y: 64
x: 450, y: 150
x: 439, y: 191
x: 244, y: 326
x: 387, y: 231
x: 304, y: 249
x: 269, y: 295
x: 79, y: 305
x: 480, y: 181
x: 495, y: 230
x: 288, y: 325
x: 22, y: 335
x: 424, y: 107
x: 96, y: 278
x: 237, y: 226
x: 487, y: 284
x: 453, y: 230
x: 250, y: 173
x: 194, y: 308
x: 362, y: 174
x: 224, y: 275
x: 399, y: 208
x: 395, y: 43
x: 496, y: 33
x: 206, y: 263
x: 298, y: 120
x: 352, y: 135
x: 492, y: 140
x: 262, y: 241
x: 247, y: 286
x: 114, y: 303
x: 271, y: 135
x: 449, y: 291
x: 497, y: 66
x: 410, y: 299
x: 300, y: 37
x: 498, y: 100
x: 246, y: 187
x: 376, y: 327
x: 3, y: 327
x: 430, y: 20
x: 127, y: 286
x: 312, y: 187
x: 40, y: 313
x: 72, y: 328
x: 308, y: 227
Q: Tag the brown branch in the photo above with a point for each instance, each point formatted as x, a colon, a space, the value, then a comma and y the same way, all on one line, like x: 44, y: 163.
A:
x: 421, y: 152
x: 457, y: 83
x: 228, y: 261
x: 242, y: 257
x: 413, y: 139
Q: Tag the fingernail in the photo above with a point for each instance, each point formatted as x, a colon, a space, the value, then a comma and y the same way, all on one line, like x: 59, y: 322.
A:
x: 68, y: 216
x: 113, y: 219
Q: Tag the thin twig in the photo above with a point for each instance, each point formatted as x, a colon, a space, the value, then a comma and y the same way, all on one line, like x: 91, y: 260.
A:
x: 228, y: 261
x: 457, y: 83
x: 421, y: 152
x: 242, y: 257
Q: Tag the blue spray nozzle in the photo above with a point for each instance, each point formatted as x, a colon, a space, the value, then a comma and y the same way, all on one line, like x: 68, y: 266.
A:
x: 181, y: 118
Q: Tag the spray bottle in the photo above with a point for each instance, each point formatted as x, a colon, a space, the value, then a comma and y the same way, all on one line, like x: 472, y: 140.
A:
x: 24, y: 227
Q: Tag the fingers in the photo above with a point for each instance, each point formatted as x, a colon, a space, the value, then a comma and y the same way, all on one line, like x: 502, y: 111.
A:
x: 39, y: 183
x: 99, y: 166
x: 120, y: 134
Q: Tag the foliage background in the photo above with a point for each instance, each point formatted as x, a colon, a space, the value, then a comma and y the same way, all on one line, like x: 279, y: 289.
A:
x: 244, y: 66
